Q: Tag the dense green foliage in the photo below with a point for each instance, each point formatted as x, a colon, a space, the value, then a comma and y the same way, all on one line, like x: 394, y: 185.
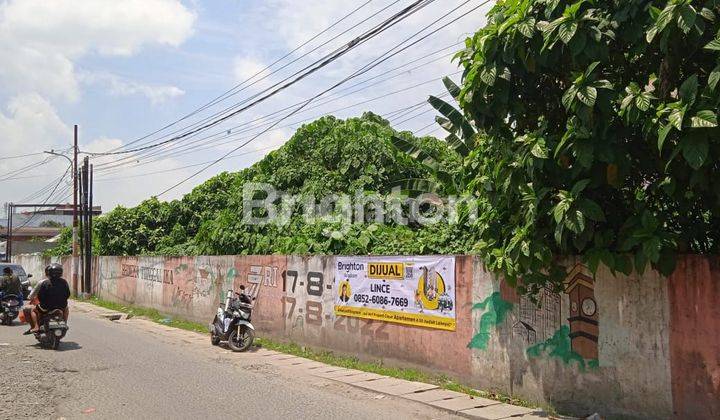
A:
x: 331, y: 156
x: 326, y: 156
x: 599, y: 133
x: 64, y: 244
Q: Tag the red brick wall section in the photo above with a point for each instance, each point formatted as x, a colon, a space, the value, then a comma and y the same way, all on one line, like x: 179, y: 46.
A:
x: 694, y: 295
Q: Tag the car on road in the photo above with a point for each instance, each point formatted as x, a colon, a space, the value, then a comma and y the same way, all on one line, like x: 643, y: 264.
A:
x: 19, y: 271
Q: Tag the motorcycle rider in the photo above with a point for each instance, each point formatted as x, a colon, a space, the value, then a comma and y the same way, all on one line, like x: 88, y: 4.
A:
x: 10, y: 284
x: 52, y: 294
x: 30, y: 307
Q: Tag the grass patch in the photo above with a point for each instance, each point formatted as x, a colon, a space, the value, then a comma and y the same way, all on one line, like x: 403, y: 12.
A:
x: 326, y: 357
x: 151, y: 314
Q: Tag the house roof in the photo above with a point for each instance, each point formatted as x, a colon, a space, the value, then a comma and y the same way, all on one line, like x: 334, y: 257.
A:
x: 32, y: 232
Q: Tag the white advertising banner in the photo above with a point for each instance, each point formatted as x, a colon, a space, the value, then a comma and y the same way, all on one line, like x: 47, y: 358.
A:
x: 416, y: 291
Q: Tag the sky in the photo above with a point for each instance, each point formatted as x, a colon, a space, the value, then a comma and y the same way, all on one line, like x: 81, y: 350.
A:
x: 122, y: 70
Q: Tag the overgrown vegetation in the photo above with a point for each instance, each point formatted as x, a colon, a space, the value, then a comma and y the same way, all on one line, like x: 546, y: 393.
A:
x: 599, y: 135
x: 585, y: 128
x: 323, y: 157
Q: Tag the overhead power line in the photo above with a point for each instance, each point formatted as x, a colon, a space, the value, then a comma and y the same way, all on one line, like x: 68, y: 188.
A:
x: 384, y: 57
x: 181, y: 167
x: 47, y: 200
x: 12, y: 174
x: 214, y: 142
x: 20, y: 156
x: 214, y: 139
x: 183, y: 152
x: 401, y: 70
x: 234, y: 91
x: 294, y: 78
x: 391, y: 116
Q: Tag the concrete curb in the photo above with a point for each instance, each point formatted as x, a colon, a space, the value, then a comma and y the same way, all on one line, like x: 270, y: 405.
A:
x: 428, y: 394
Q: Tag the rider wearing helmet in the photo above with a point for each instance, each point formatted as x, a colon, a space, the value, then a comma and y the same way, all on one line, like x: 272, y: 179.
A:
x: 52, y: 295
x: 10, y: 283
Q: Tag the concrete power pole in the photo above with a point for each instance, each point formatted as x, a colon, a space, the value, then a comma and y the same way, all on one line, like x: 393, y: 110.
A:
x: 86, y: 217
x: 75, y: 249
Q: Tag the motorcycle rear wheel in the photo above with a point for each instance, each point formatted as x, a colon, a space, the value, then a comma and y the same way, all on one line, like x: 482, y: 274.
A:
x: 243, y: 342
x: 53, y: 341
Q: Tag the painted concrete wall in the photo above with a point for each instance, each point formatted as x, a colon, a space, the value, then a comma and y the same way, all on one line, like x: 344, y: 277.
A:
x: 694, y: 301
x: 34, y: 264
x: 615, y: 361
x: 624, y: 346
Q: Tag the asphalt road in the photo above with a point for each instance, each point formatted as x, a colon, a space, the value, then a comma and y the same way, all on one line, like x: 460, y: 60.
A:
x: 133, y: 370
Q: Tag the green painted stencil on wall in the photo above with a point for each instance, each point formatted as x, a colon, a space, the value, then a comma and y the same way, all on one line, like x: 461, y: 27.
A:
x: 496, y: 310
x: 559, y: 346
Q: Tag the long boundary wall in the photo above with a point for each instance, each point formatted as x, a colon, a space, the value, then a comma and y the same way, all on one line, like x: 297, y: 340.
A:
x: 624, y: 346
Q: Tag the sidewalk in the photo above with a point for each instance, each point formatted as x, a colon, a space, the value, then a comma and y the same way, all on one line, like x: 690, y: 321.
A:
x: 450, y: 401
x: 454, y: 402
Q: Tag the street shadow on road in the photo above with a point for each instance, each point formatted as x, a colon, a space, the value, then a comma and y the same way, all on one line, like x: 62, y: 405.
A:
x: 64, y: 346
x: 69, y: 346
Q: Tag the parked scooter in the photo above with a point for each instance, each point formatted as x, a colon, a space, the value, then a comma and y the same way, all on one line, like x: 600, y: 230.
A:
x: 10, y: 306
x: 52, y: 329
x: 232, y: 322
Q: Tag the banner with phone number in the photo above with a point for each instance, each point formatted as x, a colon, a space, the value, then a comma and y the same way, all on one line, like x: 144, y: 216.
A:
x: 416, y: 291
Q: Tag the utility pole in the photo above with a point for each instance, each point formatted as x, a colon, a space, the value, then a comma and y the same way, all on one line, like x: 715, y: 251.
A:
x: 89, y: 230
x: 86, y: 217
x: 81, y: 232
x: 75, y: 247
x: 8, y: 240
x: 7, y: 235
x: 75, y: 215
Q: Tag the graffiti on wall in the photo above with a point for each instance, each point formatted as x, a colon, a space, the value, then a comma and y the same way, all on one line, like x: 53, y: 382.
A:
x: 538, y: 324
x: 147, y: 273
x: 258, y: 276
x: 308, y: 305
x: 495, y: 311
x: 314, y: 286
x: 584, y: 325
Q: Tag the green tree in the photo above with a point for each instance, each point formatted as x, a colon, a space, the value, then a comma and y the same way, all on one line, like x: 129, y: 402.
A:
x: 326, y: 156
x: 443, y: 162
x: 599, y: 135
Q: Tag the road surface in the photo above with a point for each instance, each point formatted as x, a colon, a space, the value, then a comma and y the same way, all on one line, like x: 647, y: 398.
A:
x: 136, y: 369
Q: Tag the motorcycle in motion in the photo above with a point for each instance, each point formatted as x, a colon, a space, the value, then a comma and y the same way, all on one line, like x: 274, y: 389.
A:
x: 53, y: 328
x: 232, y: 322
x: 9, y: 309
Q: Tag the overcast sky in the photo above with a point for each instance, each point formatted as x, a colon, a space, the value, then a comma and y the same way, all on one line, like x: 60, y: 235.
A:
x: 122, y: 69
